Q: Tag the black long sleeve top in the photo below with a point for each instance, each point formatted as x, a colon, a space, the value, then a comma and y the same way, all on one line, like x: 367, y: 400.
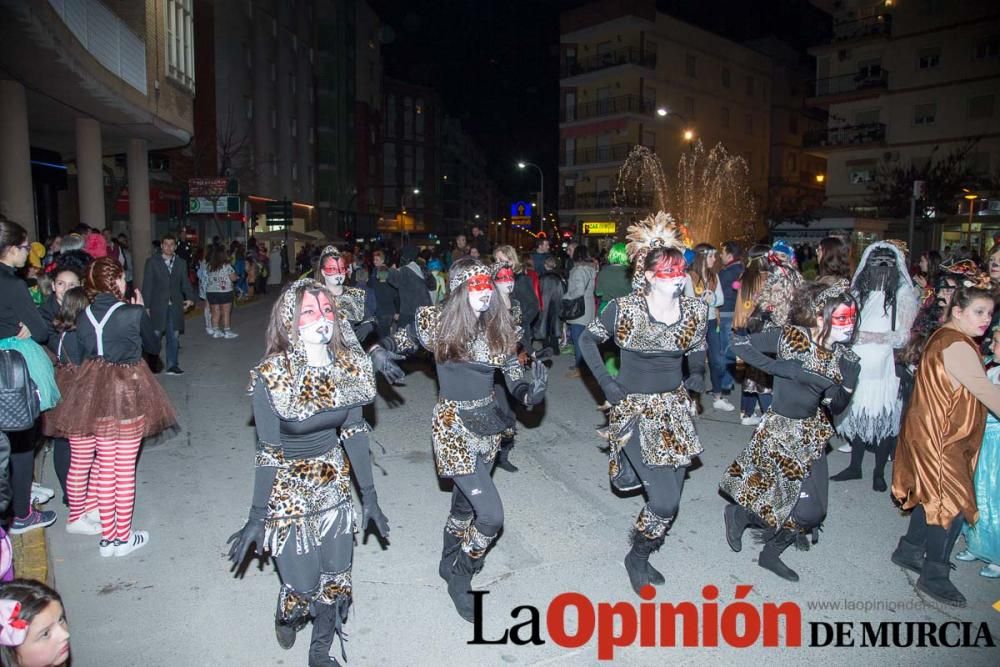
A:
x: 16, y: 307
x: 652, y: 353
x: 127, y: 334
x: 805, y: 375
x: 48, y: 310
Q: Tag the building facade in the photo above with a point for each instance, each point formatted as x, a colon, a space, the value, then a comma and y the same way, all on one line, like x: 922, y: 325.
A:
x: 104, y: 79
x: 904, y: 83
x: 633, y: 76
x: 469, y: 196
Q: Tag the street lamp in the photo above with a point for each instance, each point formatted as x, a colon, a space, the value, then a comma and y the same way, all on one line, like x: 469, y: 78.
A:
x: 689, y: 134
x: 541, y: 175
x: 971, y: 198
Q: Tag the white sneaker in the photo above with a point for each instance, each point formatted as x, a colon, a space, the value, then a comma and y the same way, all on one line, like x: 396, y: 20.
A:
x: 41, y: 494
x: 107, y: 548
x: 137, y: 540
x: 83, y: 526
x: 230, y: 334
x: 721, y: 403
x: 210, y: 331
x: 965, y: 555
x: 845, y: 448
x: 93, y: 516
x: 217, y: 334
x: 751, y: 420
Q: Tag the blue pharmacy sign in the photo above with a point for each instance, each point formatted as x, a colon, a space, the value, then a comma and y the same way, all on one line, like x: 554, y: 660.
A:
x: 520, y: 209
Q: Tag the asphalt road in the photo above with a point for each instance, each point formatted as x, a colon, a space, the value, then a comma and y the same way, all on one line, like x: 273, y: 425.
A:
x: 176, y: 602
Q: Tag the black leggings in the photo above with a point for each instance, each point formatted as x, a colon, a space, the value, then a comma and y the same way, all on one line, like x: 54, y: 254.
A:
x: 301, y: 571
x: 810, y: 510
x: 476, y: 494
x: 663, y: 484
x: 60, y: 461
x: 22, y: 469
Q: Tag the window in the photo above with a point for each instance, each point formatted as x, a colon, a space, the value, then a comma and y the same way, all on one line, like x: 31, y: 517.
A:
x: 295, y: 43
x: 295, y: 127
x: 408, y: 118
x: 420, y: 118
x: 569, y: 56
x: 689, y: 108
x: 420, y: 166
x: 869, y: 69
x: 249, y: 108
x: 274, y: 72
x: 390, y: 116
x: 924, y: 114
x: 725, y: 117
x: 861, y: 174
x: 866, y: 117
x: 649, y: 96
x: 295, y: 83
x: 312, y: 135
x: 408, y: 160
x: 726, y: 82
x: 180, y: 42
x: 295, y: 172
x: 792, y: 163
x: 748, y: 123
x: 691, y: 65
x: 274, y: 165
x: 605, y: 52
x: 248, y: 54
x: 749, y: 86
x: 274, y: 27
x: 570, y: 152
x: 569, y: 103
x: 793, y: 125
x: 929, y: 58
x: 603, y: 185
x: 988, y: 48
x: 981, y: 106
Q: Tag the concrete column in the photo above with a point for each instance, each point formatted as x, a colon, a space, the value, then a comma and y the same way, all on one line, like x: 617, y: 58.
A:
x: 140, y: 224
x: 17, y: 200
x: 89, y: 172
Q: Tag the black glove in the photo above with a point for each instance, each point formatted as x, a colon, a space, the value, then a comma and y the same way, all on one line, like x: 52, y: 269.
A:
x: 370, y: 511
x: 614, y: 392
x: 384, y: 362
x: 251, y: 533
x: 849, y: 370
x: 540, y: 380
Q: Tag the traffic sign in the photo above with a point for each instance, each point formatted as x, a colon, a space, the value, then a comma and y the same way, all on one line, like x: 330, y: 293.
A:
x: 279, y: 213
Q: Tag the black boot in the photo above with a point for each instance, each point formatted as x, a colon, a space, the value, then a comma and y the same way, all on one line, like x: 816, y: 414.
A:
x: 503, y: 456
x: 637, y: 561
x: 882, y: 454
x: 448, y: 552
x: 737, y: 520
x: 460, y: 584
x: 327, y: 624
x: 909, y: 555
x: 291, y: 616
x: 934, y: 580
x: 852, y: 471
x: 770, y: 556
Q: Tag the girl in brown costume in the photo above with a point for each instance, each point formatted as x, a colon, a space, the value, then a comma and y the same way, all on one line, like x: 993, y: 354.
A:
x: 940, y: 439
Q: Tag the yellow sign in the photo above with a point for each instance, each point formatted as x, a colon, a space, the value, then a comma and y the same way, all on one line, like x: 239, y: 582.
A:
x: 593, y: 228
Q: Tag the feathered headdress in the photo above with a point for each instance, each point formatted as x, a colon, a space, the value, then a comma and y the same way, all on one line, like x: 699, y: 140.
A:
x: 654, y: 231
x: 968, y: 273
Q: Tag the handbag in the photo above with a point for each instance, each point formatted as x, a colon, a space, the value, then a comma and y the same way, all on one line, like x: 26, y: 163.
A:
x: 572, y: 309
x: 20, y: 402
x: 487, y: 420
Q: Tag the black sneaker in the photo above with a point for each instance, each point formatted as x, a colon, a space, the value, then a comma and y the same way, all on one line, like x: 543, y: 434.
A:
x: 33, y: 521
x: 175, y: 370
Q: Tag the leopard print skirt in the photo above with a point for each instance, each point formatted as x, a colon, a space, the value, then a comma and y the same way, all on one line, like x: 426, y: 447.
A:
x: 312, y: 495
x: 767, y: 475
x: 666, y: 430
x: 455, y: 446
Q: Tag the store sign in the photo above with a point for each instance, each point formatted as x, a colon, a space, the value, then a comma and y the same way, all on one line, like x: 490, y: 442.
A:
x: 213, y: 187
x: 520, y: 214
x: 598, y: 228
x: 211, y: 205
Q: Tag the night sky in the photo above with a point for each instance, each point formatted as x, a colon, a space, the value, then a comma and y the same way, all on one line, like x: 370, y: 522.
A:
x: 495, y: 64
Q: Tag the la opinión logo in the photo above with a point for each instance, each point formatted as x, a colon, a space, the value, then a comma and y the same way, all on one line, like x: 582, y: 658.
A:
x: 738, y: 624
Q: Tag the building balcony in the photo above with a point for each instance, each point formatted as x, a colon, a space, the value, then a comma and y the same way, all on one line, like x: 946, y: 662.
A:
x: 845, y: 136
x: 608, y: 107
x: 871, y: 26
x: 629, y: 55
x: 848, y: 87
x: 595, y: 155
x: 599, y: 200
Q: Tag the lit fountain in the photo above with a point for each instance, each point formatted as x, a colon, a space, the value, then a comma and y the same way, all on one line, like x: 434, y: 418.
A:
x: 710, y: 195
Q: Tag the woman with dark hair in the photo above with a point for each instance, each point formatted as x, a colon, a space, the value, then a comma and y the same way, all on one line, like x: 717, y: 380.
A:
x: 582, y: 281
x: 651, y: 433
x: 779, y: 483
x: 703, y: 283
x: 33, y: 628
x: 23, y: 330
x: 927, y: 268
x: 755, y: 397
x: 80, y: 495
x: 219, y: 288
x: 471, y: 336
x: 939, y: 442
x: 115, y: 403
x: 308, y: 395
x: 834, y: 256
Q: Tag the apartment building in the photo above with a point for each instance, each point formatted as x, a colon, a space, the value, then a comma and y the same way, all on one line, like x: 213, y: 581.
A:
x: 631, y: 75
x: 905, y: 80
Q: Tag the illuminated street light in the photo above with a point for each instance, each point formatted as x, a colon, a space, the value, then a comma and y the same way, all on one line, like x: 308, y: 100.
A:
x: 688, y: 135
x: 662, y: 112
x: 820, y: 178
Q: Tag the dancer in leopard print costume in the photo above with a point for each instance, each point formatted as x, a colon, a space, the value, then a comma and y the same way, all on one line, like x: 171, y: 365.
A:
x: 471, y: 336
x: 779, y: 483
x: 313, y: 382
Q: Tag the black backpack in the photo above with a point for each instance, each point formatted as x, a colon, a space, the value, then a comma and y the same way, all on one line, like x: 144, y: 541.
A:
x: 20, y: 402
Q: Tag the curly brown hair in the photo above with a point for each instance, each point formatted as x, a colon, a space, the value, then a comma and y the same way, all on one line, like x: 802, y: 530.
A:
x: 102, y: 276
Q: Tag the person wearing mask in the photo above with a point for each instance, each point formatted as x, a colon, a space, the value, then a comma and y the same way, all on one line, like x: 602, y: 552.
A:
x: 24, y: 330
x: 351, y: 301
x: 413, y: 282
x: 940, y: 439
x: 167, y: 293
x: 703, y: 283
x: 523, y: 293
x: 582, y: 279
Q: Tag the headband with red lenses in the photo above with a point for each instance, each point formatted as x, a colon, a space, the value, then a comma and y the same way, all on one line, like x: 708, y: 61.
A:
x: 670, y: 267
x: 844, y: 315
x: 479, y: 283
x: 505, y: 275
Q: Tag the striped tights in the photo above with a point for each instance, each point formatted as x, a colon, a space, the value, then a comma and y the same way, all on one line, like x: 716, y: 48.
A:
x: 81, y: 480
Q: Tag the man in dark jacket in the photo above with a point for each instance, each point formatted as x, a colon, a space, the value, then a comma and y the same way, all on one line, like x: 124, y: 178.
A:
x: 732, y: 269
x: 386, y: 296
x: 480, y: 242
x: 414, y: 284
x: 167, y: 293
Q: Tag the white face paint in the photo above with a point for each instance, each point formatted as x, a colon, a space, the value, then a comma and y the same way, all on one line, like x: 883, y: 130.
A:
x: 334, y: 280
x: 842, y: 321
x: 507, y: 287
x: 480, y: 300
x: 319, y: 332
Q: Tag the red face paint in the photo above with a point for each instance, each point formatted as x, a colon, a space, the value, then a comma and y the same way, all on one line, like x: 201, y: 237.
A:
x: 479, y: 283
x: 333, y: 266
x: 504, y: 276
x: 669, y: 267
x: 844, y: 316
x: 315, y: 307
